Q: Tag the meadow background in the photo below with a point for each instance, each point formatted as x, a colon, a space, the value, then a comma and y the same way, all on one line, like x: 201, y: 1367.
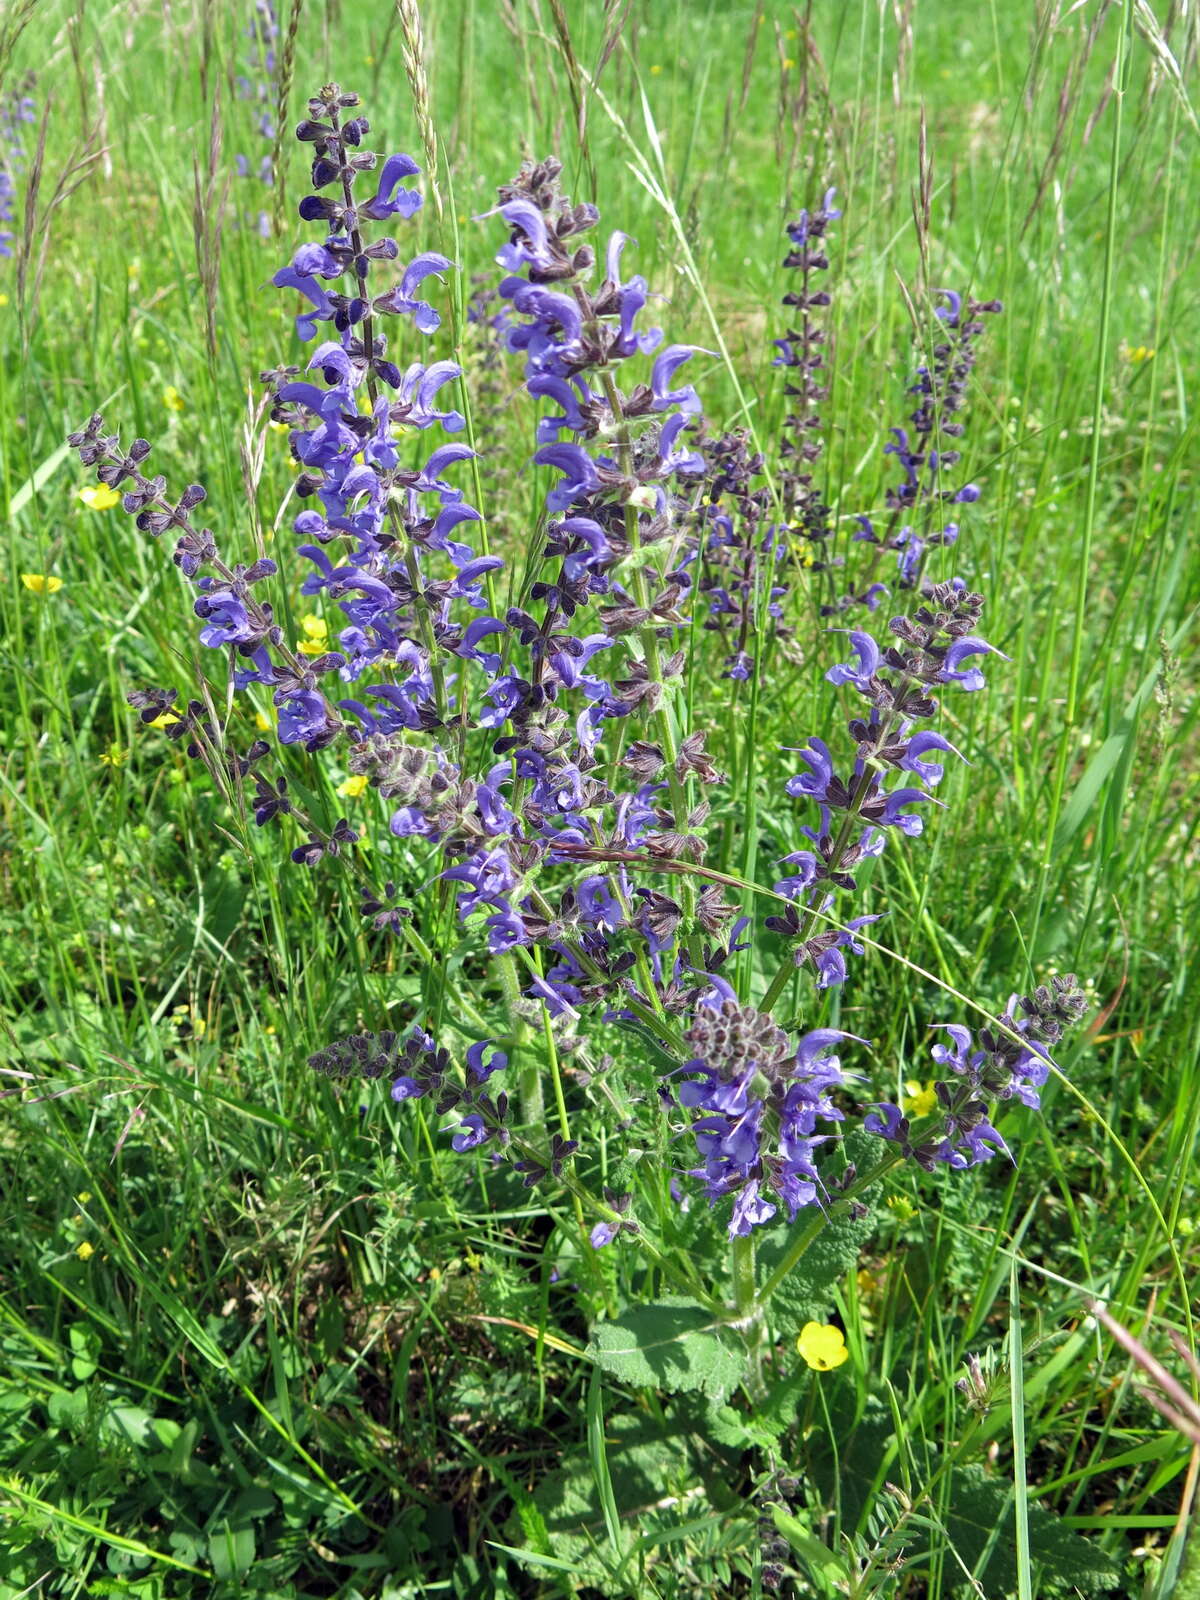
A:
x: 259, y: 1338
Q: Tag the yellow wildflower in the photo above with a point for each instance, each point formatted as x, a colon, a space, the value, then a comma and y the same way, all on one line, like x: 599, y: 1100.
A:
x: 788, y: 64
x: 188, y: 1016
x: 263, y: 722
x: 85, y: 1250
x: 3, y: 299
x: 822, y: 1346
x: 801, y: 550
x: 317, y: 631
x: 41, y: 583
x: 919, y: 1099
x: 1138, y: 353
x: 901, y: 1207
x: 83, y: 1197
x: 353, y: 787
x: 172, y: 398
x: 654, y: 71
x: 115, y: 756
x: 99, y: 497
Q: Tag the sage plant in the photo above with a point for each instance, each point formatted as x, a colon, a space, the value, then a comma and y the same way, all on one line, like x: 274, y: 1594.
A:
x: 538, y: 750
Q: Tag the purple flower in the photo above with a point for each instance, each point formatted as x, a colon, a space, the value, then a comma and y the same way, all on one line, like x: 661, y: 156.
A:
x: 815, y: 783
x: 930, y: 772
x: 305, y: 718
x: 867, y: 652
x: 750, y: 1210
x: 530, y: 247
x: 895, y: 817
x: 663, y: 372
x: 227, y: 618
x: 481, y: 1069
x: 578, y: 470
x: 473, y: 1131
x: 972, y: 678
x: 403, y: 301
x: 390, y: 199
x: 322, y: 307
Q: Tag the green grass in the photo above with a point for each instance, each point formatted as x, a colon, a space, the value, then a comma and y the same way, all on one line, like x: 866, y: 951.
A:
x: 312, y: 1353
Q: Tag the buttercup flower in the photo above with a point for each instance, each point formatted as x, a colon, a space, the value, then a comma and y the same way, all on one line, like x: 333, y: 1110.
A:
x: 99, y: 497
x: 822, y: 1345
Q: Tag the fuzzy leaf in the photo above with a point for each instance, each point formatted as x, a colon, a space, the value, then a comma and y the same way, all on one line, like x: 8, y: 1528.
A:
x: 671, y: 1345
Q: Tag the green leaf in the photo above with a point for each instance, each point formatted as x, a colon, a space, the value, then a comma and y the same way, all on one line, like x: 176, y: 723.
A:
x: 981, y: 1502
x: 85, y: 1350
x: 671, y: 1345
x: 825, y: 1567
x: 231, y: 1550
x: 68, y: 1408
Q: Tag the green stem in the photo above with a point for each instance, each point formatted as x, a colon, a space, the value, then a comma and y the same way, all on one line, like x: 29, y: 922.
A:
x: 813, y: 1228
x: 742, y: 1259
x: 528, y: 1074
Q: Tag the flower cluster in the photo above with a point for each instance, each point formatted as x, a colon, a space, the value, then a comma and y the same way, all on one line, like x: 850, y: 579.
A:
x: 802, y: 354
x: 395, y: 524
x: 917, y: 505
x: 1003, y: 1063
x: 936, y: 647
x: 15, y: 108
x: 761, y: 1095
x: 419, y: 1070
x: 232, y: 614
x: 256, y: 83
x: 742, y: 553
